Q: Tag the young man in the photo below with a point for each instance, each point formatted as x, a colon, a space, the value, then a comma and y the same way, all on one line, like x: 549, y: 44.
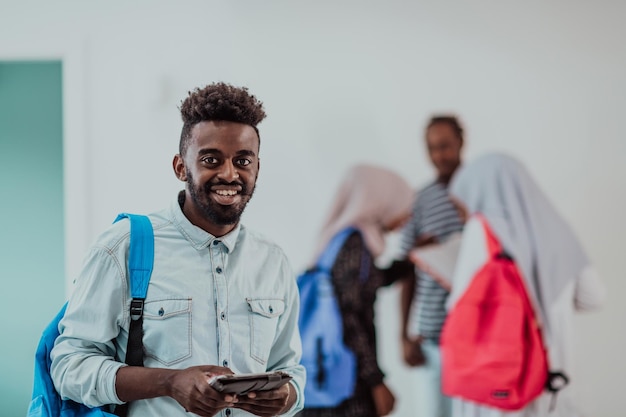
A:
x: 423, y: 300
x: 221, y: 298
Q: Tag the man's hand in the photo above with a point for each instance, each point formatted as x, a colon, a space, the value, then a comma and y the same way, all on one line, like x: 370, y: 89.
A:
x: 383, y: 399
x: 268, y: 403
x: 190, y: 387
x: 412, y: 350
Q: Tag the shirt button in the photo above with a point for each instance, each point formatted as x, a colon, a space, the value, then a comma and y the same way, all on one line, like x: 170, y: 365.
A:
x: 228, y: 411
x: 216, y: 242
x: 223, y: 316
x: 225, y: 362
x: 218, y: 270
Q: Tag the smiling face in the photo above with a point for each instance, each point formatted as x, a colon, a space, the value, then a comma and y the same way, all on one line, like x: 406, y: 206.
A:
x: 220, y: 167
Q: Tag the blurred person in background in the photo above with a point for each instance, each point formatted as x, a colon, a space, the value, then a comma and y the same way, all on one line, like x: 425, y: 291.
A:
x: 434, y: 219
x: 558, y: 274
x: 374, y: 201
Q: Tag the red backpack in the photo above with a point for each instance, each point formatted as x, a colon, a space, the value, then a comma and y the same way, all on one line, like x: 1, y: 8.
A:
x: 491, y: 343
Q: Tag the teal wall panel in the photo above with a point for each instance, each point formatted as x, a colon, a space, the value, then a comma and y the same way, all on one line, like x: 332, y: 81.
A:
x: 31, y: 219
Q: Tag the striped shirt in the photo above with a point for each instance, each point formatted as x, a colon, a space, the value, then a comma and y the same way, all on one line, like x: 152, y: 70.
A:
x: 433, y: 214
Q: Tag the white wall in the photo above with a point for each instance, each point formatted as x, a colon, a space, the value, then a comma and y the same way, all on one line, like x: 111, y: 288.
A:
x: 345, y: 82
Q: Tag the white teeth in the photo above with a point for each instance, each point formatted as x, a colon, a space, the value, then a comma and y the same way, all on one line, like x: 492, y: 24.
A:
x: 226, y: 192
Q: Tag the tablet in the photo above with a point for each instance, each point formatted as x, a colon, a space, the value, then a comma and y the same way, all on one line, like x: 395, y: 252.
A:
x: 244, y: 383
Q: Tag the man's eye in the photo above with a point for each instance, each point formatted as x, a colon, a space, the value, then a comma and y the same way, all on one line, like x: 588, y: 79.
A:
x: 209, y: 160
x: 243, y: 162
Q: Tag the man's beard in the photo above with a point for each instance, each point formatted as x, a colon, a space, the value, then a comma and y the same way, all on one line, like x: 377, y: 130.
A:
x: 219, y: 214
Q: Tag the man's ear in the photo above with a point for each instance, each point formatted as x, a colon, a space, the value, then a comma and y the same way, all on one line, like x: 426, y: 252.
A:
x: 179, y: 168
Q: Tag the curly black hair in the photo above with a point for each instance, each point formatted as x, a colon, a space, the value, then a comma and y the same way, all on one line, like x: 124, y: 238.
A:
x: 449, y: 120
x: 219, y: 101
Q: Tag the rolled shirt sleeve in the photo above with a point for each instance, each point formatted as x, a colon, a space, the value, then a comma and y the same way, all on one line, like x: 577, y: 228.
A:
x: 83, y: 359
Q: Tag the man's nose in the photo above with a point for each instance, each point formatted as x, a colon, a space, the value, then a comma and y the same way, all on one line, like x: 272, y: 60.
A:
x: 228, y: 172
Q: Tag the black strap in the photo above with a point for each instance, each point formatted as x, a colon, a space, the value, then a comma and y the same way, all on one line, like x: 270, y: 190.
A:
x: 140, y: 263
x: 320, y: 378
x: 134, y: 348
x: 556, y: 382
x: 504, y: 255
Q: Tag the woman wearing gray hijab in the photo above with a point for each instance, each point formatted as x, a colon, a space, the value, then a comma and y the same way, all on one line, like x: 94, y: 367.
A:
x: 557, y: 272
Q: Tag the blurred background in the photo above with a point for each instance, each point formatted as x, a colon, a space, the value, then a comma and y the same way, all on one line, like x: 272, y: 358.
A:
x: 89, y: 123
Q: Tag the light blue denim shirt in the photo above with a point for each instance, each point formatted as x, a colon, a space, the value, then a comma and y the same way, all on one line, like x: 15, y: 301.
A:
x: 229, y: 301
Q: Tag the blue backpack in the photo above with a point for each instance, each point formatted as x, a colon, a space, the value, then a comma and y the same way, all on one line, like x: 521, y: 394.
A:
x: 331, y: 368
x: 46, y: 401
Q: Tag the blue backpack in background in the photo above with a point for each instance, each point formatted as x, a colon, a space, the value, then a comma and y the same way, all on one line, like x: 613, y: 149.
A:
x: 331, y: 367
x: 46, y: 401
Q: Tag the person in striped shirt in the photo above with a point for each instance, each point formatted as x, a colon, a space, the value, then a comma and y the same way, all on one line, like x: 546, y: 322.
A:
x: 434, y: 219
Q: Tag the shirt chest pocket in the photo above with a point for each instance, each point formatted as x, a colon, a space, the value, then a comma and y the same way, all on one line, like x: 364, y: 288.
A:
x: 167, y: 330
x: 264, y: 315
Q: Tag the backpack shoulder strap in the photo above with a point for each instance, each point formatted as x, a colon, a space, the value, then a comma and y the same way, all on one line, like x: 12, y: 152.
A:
x: 141, y: 257
x: 493, y: 244
x: 140, y: 263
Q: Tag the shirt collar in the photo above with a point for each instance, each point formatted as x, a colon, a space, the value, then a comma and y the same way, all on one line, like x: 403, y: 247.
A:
x: 199, y: 238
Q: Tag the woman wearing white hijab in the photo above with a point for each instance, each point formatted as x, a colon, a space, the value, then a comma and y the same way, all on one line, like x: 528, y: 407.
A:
x: 557, y: 272
x: 375, y: 201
